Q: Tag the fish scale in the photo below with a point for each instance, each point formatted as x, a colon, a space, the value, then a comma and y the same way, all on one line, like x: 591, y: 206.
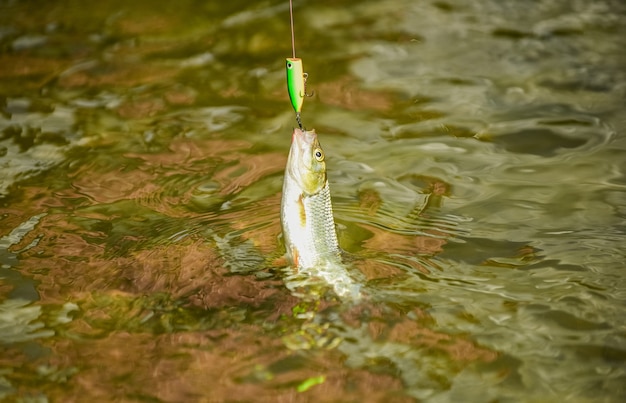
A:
x: 320, y: 225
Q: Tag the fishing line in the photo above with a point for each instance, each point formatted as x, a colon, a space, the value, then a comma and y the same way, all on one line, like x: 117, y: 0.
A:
x: 293, y: 36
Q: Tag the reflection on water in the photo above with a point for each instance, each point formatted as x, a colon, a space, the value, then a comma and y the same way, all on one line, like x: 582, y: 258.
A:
x: 475, y: 161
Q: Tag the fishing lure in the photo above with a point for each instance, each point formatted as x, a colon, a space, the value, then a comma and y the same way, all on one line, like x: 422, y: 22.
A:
x: 296, y: 77
x: 296, y: 85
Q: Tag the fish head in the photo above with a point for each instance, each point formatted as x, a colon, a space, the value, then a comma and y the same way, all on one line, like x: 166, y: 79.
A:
x: 306, y: 164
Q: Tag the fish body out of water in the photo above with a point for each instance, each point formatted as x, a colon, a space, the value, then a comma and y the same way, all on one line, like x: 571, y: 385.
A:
x: 306, y: 209
x: 307, y: 215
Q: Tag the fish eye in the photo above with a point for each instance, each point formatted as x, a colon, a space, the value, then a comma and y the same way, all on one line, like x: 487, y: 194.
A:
x: 319, y: 155
x: 289, y: 65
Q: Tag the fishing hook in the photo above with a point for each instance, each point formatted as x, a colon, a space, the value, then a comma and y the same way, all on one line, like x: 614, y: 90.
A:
x: 305, y: 77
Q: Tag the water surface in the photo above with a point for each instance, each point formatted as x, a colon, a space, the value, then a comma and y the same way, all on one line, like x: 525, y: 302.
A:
x: 476, y: 160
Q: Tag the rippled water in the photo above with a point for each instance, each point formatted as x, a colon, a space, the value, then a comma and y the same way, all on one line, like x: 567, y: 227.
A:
x: 476, y: 160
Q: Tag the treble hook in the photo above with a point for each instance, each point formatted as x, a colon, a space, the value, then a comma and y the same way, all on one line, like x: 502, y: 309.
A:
x: 305, y: 77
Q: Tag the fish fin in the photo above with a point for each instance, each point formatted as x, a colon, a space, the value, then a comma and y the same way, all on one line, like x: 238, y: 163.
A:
x: 294, y: 256
x: 302, y: 210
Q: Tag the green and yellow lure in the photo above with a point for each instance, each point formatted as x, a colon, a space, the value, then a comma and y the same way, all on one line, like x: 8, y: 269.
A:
x: 296, y: 85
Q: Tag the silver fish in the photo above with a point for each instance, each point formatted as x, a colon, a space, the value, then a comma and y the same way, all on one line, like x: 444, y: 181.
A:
x: 307, y: 215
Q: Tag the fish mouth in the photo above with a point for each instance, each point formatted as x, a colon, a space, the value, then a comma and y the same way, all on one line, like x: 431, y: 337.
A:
x: 303, y: 137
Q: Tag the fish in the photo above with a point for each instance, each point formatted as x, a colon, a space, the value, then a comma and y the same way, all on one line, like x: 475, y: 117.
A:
x: 307, y: 220
x: 306, y: 208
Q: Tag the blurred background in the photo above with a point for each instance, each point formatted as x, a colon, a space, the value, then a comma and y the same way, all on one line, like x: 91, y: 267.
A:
x: 475, y: 153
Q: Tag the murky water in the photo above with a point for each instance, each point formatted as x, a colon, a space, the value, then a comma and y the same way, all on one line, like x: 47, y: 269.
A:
x: 476, y: 160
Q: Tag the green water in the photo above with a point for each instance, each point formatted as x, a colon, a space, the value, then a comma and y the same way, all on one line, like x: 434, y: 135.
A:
x: 476, y: 161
